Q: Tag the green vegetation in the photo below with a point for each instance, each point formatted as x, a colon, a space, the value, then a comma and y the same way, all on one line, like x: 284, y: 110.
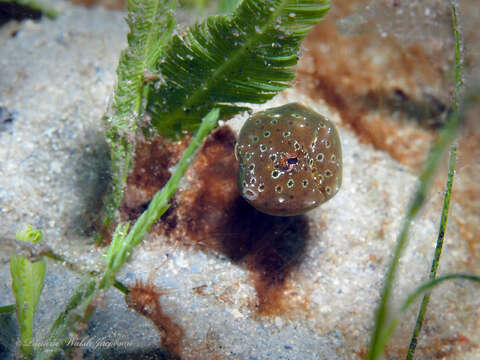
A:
x: 223, y: 62
x: 384, y: 326
x: 438, y: 251
x: 226, y: 6
x: 151, y: 24
x: 27, y: 284
x: 169, y: 84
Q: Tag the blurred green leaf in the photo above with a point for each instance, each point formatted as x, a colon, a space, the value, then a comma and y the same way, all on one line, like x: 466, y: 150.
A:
x: 227, y: 6
x: 27, y: 285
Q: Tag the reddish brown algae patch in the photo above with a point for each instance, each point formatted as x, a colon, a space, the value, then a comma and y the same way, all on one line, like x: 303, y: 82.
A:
x: 211, y: 215
x: 144, y: 298
x: 153, y: 158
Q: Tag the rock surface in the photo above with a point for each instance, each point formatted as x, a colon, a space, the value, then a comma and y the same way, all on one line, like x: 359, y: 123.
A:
x: 55, y: 81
